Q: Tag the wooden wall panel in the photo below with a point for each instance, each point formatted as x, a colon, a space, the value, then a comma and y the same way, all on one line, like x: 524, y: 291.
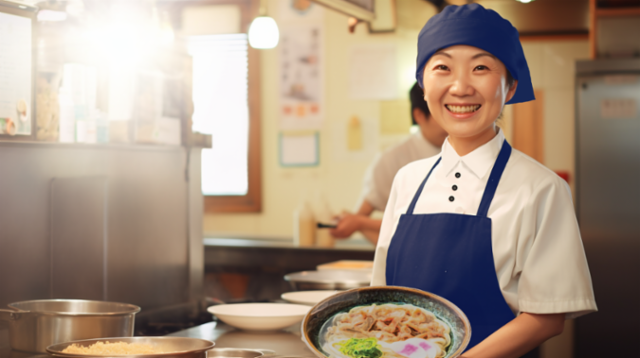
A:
x: 528, y: 127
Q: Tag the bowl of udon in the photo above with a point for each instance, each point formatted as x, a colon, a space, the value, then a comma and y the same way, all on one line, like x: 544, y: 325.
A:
x: 386, y: 322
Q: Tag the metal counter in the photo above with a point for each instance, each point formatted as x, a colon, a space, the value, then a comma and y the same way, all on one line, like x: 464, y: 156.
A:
x: 283, y: 342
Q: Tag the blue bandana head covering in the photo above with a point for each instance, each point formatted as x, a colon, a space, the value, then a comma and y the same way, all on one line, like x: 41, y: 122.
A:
x: 476, y: 26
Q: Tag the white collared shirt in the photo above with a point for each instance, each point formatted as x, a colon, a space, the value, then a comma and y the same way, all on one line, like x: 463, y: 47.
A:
x: 537, y: 249
x: 379, y: 176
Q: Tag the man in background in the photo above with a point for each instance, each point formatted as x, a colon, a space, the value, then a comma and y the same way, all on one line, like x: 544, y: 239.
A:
x: 425, y: 143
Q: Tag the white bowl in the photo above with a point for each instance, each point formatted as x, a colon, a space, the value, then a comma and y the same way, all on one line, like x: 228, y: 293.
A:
x: 308, y: 297
x: 260, y: 316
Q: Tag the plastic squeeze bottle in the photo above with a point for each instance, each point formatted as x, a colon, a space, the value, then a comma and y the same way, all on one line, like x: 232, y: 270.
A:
x: 304, y: 226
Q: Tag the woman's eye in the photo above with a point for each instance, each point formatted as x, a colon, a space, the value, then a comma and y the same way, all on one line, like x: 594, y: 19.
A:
x: 481, y: 68
x: 441, y: 67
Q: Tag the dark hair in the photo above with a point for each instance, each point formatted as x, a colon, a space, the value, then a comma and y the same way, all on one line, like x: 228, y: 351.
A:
x: 510, y: 79
x: 417, y: 101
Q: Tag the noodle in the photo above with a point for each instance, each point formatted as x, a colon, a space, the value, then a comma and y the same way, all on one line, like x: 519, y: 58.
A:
x: 116, y: 348
x: 388, y: 323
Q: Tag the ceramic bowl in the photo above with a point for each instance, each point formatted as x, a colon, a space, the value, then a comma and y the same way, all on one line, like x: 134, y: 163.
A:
x: 321, y: 316
x: 328, y: 280
x: 260, y: 316
x: 310, y: 298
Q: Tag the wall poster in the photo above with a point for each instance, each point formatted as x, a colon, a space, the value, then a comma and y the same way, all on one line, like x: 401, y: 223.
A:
x: 301, y: 74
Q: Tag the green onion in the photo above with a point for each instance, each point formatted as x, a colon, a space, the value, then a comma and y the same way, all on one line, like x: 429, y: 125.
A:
x: 361, y: 348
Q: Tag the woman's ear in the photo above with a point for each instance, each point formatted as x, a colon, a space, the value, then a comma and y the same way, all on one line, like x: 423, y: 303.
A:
x: 511, y: 91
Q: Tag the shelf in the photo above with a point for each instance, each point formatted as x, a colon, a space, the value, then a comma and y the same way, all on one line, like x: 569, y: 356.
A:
x: 618, y: 12
x: 120, y: 146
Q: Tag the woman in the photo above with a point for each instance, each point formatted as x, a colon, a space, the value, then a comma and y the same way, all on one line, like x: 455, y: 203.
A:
x: 481, y: 224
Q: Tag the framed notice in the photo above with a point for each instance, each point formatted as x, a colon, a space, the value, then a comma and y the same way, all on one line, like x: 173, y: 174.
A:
x: 16, y: 70
x: 299, y: 149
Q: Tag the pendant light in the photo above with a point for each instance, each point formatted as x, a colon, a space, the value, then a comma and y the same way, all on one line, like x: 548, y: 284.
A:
x: 263, y: 32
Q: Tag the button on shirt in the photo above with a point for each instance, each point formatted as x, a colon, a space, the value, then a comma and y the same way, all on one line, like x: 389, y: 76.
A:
x: 379, y: 176
x: 538, y: 253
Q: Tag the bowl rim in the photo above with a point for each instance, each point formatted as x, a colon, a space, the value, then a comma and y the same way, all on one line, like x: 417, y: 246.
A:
x: 128, y: 308
x: 295, y: 277
x: 308, y: 292
x: 465, y: 342
x: 58, y: 352
x: 212, y: 309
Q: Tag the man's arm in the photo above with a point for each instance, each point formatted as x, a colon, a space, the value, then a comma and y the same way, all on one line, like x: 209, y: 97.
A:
x: 519, y: 336
x: 365, y: 209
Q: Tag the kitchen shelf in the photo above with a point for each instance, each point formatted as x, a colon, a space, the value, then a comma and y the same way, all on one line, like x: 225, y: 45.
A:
x: 618, y: 12
x: 121, y: 146
x: 595, y: 12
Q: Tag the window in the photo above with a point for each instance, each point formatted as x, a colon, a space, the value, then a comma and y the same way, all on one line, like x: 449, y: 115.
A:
x: 226, y: 105
x: 220, y: 94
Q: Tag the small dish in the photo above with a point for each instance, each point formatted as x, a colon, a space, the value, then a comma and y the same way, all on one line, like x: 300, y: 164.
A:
x: 328, y: 280
x: 260, y: 316
x: 310, y: 298
x: 234, y: 353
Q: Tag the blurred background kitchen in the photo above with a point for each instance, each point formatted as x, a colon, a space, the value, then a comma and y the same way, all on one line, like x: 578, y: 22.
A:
x: 161, y: 153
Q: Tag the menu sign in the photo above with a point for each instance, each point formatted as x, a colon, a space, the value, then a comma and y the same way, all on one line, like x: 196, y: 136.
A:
x: 15, y: 74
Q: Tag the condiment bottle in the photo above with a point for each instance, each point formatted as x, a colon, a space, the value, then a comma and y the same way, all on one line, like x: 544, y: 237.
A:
x: 304, y: 226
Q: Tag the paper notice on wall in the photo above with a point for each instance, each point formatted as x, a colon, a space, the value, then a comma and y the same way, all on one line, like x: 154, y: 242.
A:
x: 354, y: 139
x: 373, y: 72
x: 614, y: 108
x: 301, y: 74
x: 299, y: 149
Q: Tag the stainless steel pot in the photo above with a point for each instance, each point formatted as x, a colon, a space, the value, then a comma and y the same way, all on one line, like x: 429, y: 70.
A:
x: 328, y: 280
x: 35, y: 325
x: 178, y: 347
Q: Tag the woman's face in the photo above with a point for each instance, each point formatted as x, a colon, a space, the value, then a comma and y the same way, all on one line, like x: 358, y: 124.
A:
x: 466, y: 88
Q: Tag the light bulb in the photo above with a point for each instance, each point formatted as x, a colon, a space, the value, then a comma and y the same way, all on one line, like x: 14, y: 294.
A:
x: 263, y: 33
x: 525, y: 1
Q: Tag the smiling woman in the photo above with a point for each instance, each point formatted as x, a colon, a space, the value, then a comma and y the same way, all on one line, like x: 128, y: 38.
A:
x: 482, y: 224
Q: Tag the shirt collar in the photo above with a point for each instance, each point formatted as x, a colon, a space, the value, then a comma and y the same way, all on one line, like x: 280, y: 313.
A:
x: 478, y: 162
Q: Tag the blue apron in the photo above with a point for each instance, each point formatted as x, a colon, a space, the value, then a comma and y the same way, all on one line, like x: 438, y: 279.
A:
x: 450, y: 255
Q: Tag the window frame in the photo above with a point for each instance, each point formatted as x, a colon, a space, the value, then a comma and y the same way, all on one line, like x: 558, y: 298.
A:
x: 252, y: 201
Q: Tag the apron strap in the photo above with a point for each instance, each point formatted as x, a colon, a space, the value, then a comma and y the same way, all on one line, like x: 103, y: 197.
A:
x: 417, y: 194
x: 494, y: 179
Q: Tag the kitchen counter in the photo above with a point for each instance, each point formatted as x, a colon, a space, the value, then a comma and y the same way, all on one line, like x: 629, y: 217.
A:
x: 283, y: 342
x: 282, y: 256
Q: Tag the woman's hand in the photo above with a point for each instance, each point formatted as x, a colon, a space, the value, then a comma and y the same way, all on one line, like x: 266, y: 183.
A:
x: 519, y: 336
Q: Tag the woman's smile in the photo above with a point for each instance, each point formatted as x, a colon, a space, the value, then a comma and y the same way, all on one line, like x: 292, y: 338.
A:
x: 462, y: 111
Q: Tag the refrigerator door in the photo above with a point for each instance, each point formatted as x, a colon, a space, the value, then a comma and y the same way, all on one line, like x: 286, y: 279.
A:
x: 608, y: 207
